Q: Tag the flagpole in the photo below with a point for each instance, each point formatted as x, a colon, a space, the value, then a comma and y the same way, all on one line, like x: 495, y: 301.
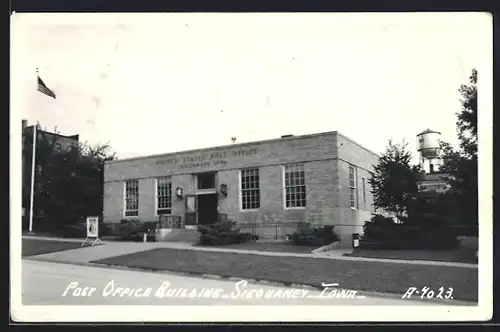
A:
x: 32, y: 177
x: 32, y: 189
x: 41, y: 87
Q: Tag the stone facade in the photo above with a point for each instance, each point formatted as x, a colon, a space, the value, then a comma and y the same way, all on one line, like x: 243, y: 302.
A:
x: 325, y: 158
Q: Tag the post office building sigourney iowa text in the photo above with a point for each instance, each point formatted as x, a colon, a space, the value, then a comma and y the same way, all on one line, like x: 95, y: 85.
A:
x: 320, y: 179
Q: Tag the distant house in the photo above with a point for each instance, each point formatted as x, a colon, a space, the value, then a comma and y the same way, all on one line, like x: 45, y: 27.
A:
x: 435, y: 182
x: 61, y: 142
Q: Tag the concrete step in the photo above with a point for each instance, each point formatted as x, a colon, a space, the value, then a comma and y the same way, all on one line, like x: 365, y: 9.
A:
x: 177, y: 235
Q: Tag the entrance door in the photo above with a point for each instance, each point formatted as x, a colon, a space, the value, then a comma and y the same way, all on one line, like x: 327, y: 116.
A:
x: 207, y: 209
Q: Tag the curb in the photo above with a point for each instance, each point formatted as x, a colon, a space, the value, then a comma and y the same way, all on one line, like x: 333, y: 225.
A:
x: 255, y: 281
x: 103, y: 239
x: 46, y: 238
x: 471, y: 265
x: 327, y: 247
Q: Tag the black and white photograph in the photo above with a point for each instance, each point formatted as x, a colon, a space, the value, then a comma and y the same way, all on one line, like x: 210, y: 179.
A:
x: 258, y: 167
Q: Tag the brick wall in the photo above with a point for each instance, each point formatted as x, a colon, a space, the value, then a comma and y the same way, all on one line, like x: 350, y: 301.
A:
x: 322, y: 191
x: 230, y: 203
x: 113, y: 201
x: 187, y: 183
x: 320, y: 195
x: 147, y: 201
x: 363, y: 160
x: 354, y: 153
x: 265, y: 153
x: 227, y: 161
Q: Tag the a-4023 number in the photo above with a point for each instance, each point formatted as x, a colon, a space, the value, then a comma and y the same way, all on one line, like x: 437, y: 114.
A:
x: 428, y: 293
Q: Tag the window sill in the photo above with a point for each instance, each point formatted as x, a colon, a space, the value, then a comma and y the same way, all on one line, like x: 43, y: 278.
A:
x: 249, y: 210
x: 295, y: 208
x: 163, y: 214
x: 206, y: 191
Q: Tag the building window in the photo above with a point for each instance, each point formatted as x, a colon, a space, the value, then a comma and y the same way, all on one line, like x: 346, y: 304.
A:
x: 295, y: 186
x: 364, y: 190
x: 352, y: 186
x: 163, y: 196
x: 131, y: 198
x: 206, y: 181
x: 250, y: 189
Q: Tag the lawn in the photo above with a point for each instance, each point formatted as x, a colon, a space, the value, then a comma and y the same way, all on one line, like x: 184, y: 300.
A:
x: 268, y: 247
x: 32, y: 247
x: 459, y: 255
x: 393, y: 278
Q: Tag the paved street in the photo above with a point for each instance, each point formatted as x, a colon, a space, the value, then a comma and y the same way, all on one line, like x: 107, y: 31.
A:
x: 57, y: 284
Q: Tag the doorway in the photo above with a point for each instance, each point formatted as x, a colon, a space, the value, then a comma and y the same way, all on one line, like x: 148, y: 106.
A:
x: 207, y: 209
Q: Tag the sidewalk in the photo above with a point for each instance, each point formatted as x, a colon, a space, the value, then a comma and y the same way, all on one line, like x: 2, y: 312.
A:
x: 118, y: 248
x: 288, y: 271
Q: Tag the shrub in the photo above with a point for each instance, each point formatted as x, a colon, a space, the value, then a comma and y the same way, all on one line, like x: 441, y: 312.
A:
x: 134, y: 229
x: 221, y: 233
x: 315, y: 236
x: 425, y: 231
x: 466, y: 230
x: 379, y: 228
x: 431, y: 221
x: 130, y: 229
x: 79, y: 230
x: 104, y: 230
x: 207, y: 239
x: 436, y: 232
x: 440, y: 241
x: 148, y: 227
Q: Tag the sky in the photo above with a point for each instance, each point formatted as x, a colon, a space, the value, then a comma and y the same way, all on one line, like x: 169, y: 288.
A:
x: 151, y: 84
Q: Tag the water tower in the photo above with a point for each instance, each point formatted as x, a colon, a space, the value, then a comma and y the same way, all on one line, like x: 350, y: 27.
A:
x: 430, y: 150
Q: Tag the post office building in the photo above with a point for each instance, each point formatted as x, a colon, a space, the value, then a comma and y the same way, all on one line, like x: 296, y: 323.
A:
x: 320, y: 179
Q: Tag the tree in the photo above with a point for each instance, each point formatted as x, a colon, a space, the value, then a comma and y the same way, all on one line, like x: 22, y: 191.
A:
x: 467, y: 117
x: 461, y: 165
x: 45, y: 146
x: 394, y: 182
x: 71, y: 183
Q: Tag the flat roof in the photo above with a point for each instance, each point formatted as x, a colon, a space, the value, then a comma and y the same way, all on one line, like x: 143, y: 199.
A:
x: 436, y: 176
x: 73, y: 137
x: 284, y: 137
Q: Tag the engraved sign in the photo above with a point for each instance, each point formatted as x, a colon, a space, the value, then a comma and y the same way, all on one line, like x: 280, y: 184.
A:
x: 207, y: 159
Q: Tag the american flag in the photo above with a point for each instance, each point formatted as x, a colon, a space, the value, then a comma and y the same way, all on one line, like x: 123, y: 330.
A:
x: 43, y: 89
